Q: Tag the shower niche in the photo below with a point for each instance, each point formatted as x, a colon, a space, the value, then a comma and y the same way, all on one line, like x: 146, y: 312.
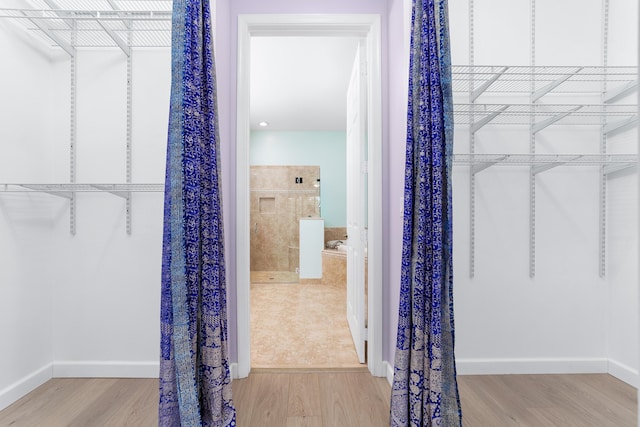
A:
x: 280, y: 197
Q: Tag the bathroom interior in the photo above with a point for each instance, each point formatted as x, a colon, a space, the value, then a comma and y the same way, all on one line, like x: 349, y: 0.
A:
x: 298, y: 257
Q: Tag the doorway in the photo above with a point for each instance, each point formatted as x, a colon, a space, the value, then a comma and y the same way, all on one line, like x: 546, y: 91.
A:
x: 366, y: 27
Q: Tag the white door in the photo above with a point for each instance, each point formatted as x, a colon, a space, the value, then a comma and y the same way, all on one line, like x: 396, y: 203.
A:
x: 356, y: 197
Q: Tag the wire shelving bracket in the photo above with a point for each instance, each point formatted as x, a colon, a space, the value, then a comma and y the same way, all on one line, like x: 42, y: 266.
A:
x: 119, y: 26
x: 547, y: 89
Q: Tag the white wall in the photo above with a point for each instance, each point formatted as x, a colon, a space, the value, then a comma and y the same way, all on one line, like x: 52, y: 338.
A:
x: 107, y: 299
x: 567, y: 318
x: 622, y: 256
x: 26, y: 221
x: 83, y: 305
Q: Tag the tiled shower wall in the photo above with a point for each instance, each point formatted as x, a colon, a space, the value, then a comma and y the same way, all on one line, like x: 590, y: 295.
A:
x: 280, y: 196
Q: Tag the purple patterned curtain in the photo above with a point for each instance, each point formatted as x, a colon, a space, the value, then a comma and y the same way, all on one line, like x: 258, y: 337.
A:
x: 195, y: 382
x: 425, y: 390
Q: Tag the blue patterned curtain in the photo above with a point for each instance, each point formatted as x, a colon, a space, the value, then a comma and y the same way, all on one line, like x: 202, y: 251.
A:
x: 195, y: 382
x: 425, y: 391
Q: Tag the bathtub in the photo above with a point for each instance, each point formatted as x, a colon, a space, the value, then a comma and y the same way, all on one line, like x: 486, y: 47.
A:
x: 345, y: 248
x: 334, y: 266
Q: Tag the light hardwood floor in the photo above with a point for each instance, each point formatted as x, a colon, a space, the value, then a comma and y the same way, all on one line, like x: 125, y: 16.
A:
x: 580, y: 400
x: 321, y: 398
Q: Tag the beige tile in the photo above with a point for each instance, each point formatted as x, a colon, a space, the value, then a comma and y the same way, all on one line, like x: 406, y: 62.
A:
x: 334, y: 268
x: 300, y: 326
x: 277, y: 204
x: 335, y: 233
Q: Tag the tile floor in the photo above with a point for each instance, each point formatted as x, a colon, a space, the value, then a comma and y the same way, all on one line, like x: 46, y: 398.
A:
x: 299, y: 326
x: 274, y: 277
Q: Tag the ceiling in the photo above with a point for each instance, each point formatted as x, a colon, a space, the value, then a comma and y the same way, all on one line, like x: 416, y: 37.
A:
x: 300, y: 83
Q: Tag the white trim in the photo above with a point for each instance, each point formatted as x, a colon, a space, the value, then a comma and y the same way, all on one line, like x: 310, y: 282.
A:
x: 389, y: 368
x: 105, y: 369
x: 624, y: 373
x: 360, y: 25
x: 243, y: 306
x: 531, y: 366
x: 233, y: 368
x: 25, y: 385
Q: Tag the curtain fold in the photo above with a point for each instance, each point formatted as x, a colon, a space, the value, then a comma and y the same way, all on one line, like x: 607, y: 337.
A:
x: 425, y: 390
x: 195, y: 381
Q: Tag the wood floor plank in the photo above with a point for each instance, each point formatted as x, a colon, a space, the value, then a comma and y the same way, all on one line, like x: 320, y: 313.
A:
x: 565, y: 417
x: 143, y: 409
x: 611, y: 398
x: 119, y: 405
x: 71, y: 397
x: 351, y: 399
x: 304, y: 396
x: 337, y: 404
x: 241, y: 388
x: 579, y: 398
x: 372, y: 408
x: 384, y: 388
x: 304, y: 421
x: 546, y: 400
x: 49, y: 395
x: 269, y: 396
x: 477, y: 409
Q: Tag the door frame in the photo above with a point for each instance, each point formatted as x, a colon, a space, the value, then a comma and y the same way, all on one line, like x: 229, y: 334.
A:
x: 366, y: 26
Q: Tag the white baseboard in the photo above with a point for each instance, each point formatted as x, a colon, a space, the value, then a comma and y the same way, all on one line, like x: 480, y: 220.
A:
x: 106, y: 369
x: 22, y: 387
x: 389, y: 369
x: 531, y: 366
x: 624, y: 373
x: 535, y: 366
x: 233, y: 368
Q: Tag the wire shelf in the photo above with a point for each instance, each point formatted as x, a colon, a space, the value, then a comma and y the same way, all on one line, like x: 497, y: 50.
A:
x: 148, y: 23
x: 562, y: 114
x: 533, y: 159
x: 546, y: 79
x: 104, y: 23
x: 86, y: 188
x: 540, y: 163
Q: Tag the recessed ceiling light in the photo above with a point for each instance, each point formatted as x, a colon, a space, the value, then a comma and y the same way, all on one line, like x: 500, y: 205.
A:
x: 263, y: 124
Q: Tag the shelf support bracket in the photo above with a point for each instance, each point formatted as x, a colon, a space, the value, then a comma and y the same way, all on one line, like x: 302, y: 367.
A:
x: 486, y: 119
x: 54, y: 6
x: 476, y: 93
x: 479, y: 167
x: 64, y: 194
x: 121, y: 44
x: 63, y: 44
x: 618, y: 93
x: 619, y: 125
x: 544, y: 167
x: 537, y: 127
x: 611, y: 169
x: 547, y: 166
x: 551, y: 86
x: 108, y: 189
